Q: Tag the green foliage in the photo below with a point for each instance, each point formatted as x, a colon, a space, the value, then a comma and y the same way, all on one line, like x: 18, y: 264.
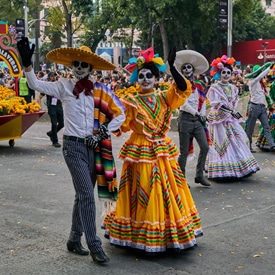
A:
x: 11, y: 10
x: 166, y: 23
x: 14, y: 9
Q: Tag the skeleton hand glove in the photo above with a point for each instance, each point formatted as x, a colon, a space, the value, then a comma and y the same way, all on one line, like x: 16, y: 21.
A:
x: 103, y: 130
x: 179, y: 79
x: 93, y: 141
x: 25, y: 51
x: 235, y: 114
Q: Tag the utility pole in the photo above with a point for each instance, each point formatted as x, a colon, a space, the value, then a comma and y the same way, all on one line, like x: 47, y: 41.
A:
x: 229, y: 29
x: 225, y: 21
x: 26, y: 10
x: 36, y: 35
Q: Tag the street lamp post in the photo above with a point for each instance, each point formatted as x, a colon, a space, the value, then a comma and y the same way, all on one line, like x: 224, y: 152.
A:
x: 229, y: 28
x: 31, y: 22
x: 26, y: 10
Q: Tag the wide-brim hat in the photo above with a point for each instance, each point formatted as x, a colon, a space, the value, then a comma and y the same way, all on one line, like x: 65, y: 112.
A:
x: 197, y: 60
x: 257, y: 70
x: 66, y: 56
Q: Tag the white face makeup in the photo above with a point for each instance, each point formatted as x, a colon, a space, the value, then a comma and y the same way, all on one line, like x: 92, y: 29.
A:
x: 146, y: 79
x: 187, y: 70
x: 225, y: 75
x: 80, y: 69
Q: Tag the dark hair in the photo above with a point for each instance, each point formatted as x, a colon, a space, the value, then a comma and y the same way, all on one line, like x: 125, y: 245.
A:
x: 41, y: 74
x: 151, y: 66
x: 228, y: 67
x: 51, y: 74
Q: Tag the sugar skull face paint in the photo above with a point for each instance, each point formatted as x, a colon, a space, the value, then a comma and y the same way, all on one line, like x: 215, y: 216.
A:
x: 80, y: 69
x: 146, y: 79
x: 187, y: 70
x: 225, y: 75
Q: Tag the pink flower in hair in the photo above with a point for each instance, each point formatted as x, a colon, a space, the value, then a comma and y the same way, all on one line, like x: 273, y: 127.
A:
x: 224, y: 59
x: 220, y: 66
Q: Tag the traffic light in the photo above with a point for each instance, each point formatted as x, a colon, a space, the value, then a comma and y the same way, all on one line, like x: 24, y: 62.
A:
x: 223, y: 14
x: 20, y: 28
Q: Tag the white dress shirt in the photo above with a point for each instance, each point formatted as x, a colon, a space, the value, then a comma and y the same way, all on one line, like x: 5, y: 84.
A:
x: 78, y: 113
x: 191, y: 105
x: 256, y: 91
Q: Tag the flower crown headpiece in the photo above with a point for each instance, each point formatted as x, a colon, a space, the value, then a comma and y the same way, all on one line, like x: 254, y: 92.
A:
x: 217, y: 65
x: 137, y: 63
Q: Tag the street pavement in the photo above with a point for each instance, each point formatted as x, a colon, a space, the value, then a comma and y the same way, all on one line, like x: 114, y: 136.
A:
x: 36, y: 199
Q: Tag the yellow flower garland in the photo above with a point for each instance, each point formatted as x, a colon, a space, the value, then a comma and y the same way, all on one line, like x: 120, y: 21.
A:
x: 136, y: 88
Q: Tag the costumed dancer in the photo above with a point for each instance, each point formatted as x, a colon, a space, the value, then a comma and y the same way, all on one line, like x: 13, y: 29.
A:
x: 155, y: 210
x: 257, y: 104
x: 91, y: 112
x: 229, y: 157
x: 270, y: 99
x: 192, y: 117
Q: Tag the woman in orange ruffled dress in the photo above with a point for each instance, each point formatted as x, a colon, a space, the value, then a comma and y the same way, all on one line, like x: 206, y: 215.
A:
x: 155, y: 210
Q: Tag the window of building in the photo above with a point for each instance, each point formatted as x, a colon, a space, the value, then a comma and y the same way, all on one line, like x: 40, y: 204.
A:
x: 268, y: 3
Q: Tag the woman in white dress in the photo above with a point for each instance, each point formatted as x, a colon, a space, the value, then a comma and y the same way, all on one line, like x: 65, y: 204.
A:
x: 229, y: 156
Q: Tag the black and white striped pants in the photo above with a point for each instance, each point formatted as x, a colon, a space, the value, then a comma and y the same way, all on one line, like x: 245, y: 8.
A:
x: 81, y: 163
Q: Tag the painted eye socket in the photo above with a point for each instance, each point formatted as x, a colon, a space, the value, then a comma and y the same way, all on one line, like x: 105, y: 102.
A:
x: 188, y: 67
x: 81, y: 64
x: 226, y: 72
x: 147, y: 75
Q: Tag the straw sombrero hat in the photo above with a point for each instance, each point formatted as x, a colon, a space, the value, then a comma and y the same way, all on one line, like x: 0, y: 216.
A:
x: 66, y: 56
x: 197, y: 60
x: 257, y: 69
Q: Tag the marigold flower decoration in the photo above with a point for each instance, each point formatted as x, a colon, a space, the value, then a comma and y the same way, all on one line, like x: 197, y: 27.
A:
x: 135, y: 89
x: 217, y: 65
x: 144, y: 56
x: 12, y: 104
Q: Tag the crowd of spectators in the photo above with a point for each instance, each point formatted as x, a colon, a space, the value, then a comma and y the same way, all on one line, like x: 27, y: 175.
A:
x: 6, y: 79
x: 119, y: 78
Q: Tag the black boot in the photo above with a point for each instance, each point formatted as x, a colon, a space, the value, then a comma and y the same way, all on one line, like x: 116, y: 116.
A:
x: 77, y: 248
x: 202, y: 181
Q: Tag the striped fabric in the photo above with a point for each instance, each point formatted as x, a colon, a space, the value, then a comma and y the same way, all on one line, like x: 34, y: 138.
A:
x: 80, y: 161
x: 155, y: 210
x: 202, y: 97
x: 106, y: 107
x: 229, y: 156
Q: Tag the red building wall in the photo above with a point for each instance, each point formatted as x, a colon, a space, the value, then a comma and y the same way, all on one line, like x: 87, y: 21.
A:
x: 252, y: 52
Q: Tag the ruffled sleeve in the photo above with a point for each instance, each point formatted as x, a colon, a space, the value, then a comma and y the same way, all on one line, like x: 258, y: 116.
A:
x: 175, y: 97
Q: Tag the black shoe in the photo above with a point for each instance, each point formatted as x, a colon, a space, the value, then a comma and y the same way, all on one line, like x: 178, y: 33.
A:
x: 49, y: 134
x: 202, y: 181
x: 272, y: 149
x: 100, y: 257
x: 252, y: 150
x: 77, y: 248
x: 57, y: 145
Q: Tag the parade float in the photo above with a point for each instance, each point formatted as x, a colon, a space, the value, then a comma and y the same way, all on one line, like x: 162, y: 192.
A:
x: 16, y: 115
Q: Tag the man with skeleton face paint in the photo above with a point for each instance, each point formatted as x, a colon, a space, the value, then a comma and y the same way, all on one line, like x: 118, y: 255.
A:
x: 229, y: 157
x: 81, y: 69
x: 150, y: 175
x: 192, y: 117
x: 187, y: 70
x: 91, y: 112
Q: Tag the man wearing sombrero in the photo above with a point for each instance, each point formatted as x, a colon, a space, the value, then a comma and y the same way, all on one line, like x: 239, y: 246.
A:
x: 91, y: 111
x: 257, y: 108
x: 192, y: 117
